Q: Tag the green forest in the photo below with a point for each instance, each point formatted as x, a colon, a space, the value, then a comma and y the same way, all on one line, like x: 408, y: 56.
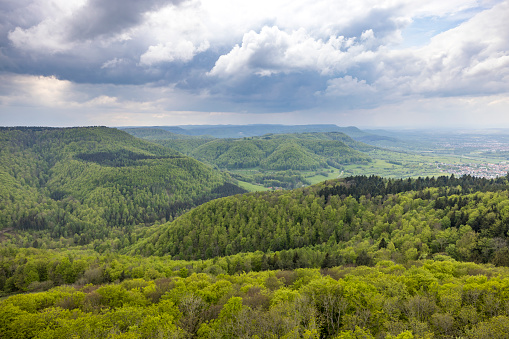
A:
x: 302, y: 151
x: 105, y: 235
x: 271, y: 160
x: 464, y: 218
x: 81, y: 182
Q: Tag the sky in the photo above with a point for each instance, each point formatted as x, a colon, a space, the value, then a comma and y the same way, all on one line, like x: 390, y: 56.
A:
x: 365, y: 63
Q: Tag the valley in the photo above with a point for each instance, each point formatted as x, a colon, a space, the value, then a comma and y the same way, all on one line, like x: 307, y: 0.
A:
x: 151, y: 233
x: 392, y: 154
x: 255, y: 170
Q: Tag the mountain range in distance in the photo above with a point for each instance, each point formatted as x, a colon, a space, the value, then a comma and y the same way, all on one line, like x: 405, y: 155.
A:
x: 241, y: 131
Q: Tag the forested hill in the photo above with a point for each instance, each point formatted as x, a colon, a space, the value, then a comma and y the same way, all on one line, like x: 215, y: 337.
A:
x: 300, y: 151
x: 180, y: 142
x: 78, y: 182
x: 465, y: 218
x: 239, y: 131
x: 153, y: 133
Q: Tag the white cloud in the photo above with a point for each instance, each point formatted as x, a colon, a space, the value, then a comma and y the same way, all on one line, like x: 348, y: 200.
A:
x: 180, y: 51
x: 113, y: 63
x: 45, y: 37
x: 466, y: 57
x: 50, y: 92
x: 23, y: 90
x: 348, y: 86
x: 174, y: 34
x: 472, y: 57
x: 273, y: 51
x: 48, y: 35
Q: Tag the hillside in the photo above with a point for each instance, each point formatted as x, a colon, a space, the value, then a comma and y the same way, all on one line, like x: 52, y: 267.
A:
x: 281, y: 151
x: 241, y: 131
x: 360, y: 257
x: 359, y: 217
x: 81, y: 182
x: 357, y: 257
x: 272, y: 160
x: 179, y: 142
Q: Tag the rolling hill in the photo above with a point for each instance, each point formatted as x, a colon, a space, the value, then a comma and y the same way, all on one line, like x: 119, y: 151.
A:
x: 299, y: 151
x: 358, y: 257
x: 80, y: 182
x: 282, y: 152
x: 355, y: 218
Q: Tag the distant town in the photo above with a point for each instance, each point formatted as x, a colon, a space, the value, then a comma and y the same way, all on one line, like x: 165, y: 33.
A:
x: 485, y: 170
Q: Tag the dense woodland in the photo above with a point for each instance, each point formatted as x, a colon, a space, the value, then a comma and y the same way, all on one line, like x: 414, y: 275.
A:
x: 273, y: 160
x: 79, y: 182
x: 285, y: 179
x: 136, y: 297
x: 86, y: 250
x: 303, y: 151
x: 466, y: 218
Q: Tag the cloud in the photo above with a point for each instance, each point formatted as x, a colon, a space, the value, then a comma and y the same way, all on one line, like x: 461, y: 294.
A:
x: 273, y: 51
x: 182, y: 50
x: 435, y: 112
x: 115, y: 62
x: 469, y: 59
x: 36, y: 91
x: 260, y: 56
x: 347, y: 86
x: 123, y: 40
x: 20, y: 90
x: 38, y: 27
x: 106, y: 18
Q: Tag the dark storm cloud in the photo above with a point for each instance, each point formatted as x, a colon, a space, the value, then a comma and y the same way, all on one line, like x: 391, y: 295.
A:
x: 16, y: 13
x: 277, y: 93
x: 104, y: 18
x: 89, y: 59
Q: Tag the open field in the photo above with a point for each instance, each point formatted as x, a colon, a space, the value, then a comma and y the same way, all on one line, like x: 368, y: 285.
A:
x: 251, y: 187
x: 392, y: 164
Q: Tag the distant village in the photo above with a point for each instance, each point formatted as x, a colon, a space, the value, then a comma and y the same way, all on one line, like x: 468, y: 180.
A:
x: 485, y: 170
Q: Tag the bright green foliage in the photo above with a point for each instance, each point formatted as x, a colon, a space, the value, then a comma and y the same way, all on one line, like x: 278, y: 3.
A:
x: 353, y: 258
x: 359, y: 333
x: 342, y: 302
x: 497, y: 327
x: 402, y: 335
